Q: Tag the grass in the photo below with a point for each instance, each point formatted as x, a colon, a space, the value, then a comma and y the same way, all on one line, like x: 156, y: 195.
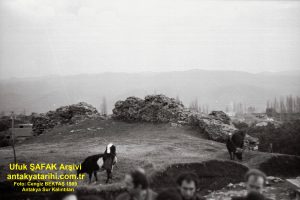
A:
x: 151, y: 146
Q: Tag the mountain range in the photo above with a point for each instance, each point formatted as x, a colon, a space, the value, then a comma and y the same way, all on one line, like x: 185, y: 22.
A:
x: 217, y: 89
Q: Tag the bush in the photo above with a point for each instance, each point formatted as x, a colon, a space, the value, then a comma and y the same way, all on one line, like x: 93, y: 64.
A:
x: 285, y: 139
x: 4, y: 125
x: 278, y: 165
x: 4, y: 141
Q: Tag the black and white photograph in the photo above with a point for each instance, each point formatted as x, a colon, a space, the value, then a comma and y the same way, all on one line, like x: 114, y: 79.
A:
x: 150, y: 99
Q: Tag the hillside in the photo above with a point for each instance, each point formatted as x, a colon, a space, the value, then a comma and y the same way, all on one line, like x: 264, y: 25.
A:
x: 152, y: 146
x: 218, y: 89
x: 155, y: 147
x: 138, y: 144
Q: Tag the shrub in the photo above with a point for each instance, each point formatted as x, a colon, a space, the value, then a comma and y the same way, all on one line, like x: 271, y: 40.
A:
x: 285, y: 139
x: 4, y: 141
x: 4, y: 125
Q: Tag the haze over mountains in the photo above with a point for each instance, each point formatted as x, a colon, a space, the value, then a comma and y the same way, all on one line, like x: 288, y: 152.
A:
x: 218, y: 89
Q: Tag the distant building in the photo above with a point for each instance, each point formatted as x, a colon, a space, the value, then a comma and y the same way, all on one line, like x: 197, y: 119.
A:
x: 230, y: 114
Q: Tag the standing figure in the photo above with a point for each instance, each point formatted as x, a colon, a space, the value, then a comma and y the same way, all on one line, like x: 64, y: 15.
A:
x: 235, y: 145
x: 109, y: 160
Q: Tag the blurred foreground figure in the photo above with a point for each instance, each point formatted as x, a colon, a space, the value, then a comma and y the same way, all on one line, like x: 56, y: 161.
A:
x: 170, y: 194
x: 63, y: 196
x: 255, y: 196
x: 137, y: 187
x: 187, y: 185
x: 90, y: 197
x: 255, y: 182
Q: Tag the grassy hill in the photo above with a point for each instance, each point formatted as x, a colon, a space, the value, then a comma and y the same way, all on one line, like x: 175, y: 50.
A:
x: 147, y: 145
x: 151, y: 146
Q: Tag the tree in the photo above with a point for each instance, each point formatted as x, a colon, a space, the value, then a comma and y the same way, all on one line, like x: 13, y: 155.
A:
x: 271, y: 112
x: 178, y: 99
x: 194, y: 106
x: 206, y: 108
x: 289, y: 104
x: 251, y: 109
x: 227, y: 109
x: 103, y: 107
x: 297, y: 104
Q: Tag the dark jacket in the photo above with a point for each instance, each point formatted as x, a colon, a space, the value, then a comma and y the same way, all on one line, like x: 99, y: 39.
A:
x: 196, y: 197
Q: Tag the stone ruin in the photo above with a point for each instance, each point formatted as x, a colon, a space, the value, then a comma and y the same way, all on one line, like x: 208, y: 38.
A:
x: 154, y: 108
x: 71, y: 114
x: 162, y: 109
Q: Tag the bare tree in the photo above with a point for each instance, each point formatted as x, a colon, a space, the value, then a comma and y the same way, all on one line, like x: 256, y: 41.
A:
x: 194, y: 106
x: 297, y: 104
x: 103, y: 108
x: 289, y: 104
x: 269, y: 105
x: 251, y: 109
x: 275, y: 104
x: 178, y: 99
x: 206, y: 108
x: 227, y: 109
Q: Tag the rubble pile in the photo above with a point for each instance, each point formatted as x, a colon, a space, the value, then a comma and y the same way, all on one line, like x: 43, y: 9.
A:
x: 154, y: 108
x: 41, y: 122
x: 162, y: 109
x: 220, y: 115
x: 71, y: 114
x: 213, y: 125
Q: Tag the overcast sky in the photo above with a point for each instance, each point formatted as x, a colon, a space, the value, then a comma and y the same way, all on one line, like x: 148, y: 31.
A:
x: 43, y: 37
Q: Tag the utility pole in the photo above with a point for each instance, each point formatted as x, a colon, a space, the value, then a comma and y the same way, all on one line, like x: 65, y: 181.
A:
x: 13, y: 136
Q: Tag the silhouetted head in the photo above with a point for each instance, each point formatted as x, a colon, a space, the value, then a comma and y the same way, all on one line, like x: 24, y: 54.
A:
x: 241, y: 132
x: 187, y: 184
x: 111, y: 149
x: 255, y: 180
x: 136, y: 181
